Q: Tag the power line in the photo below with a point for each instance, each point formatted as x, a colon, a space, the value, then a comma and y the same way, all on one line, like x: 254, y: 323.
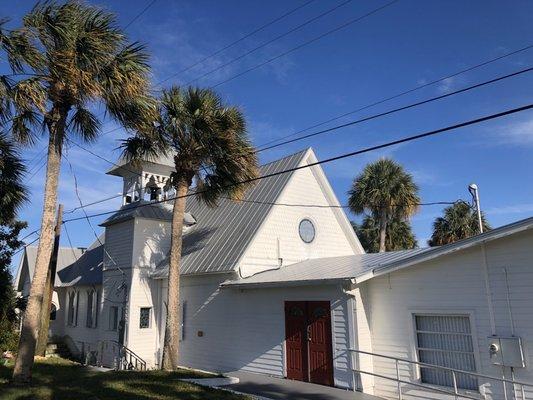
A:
x: 139, y: 14
x: 306, y: 43
x: 235, y: 42
x: 24, y: 247
x: 307, y: 22
x: 103, y: 158
x: 87, y: 218
x: 37, y: 170
x: 29, y: 234
x: 342, y: 156
x: 42, y: 154
x: 405, y: 92
x: 93, y: 203
x: 433, y: 203
x: 395, y: 110
x: 432, y: 99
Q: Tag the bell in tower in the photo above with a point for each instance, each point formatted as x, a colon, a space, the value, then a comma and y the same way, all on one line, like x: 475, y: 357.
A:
x: 146, y: 181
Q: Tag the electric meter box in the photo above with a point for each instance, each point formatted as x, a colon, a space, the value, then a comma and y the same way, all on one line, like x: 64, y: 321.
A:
x: 506, y: 351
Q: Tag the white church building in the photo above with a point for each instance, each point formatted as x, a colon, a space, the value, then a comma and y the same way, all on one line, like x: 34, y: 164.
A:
x: 273, y: 288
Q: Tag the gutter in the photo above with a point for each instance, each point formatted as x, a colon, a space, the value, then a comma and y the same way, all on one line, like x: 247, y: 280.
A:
x: 481, y: 239
x: 262, y: 285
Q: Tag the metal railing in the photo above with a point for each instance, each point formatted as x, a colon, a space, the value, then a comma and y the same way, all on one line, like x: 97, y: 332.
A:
x: 124, y: 359
x: 457, y: 392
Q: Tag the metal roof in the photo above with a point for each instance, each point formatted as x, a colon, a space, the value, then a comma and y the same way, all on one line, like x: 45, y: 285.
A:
x: 362, y: 267
x: 122, y: 166
x: 322, y: 270
x: 160, y: 211
x: 434, y: 252
x: 87, y: 269
x: 65, y: 257
x: 222, y: 234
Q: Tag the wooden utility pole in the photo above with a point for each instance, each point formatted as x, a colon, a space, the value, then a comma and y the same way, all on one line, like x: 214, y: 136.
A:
x: 42, y: 340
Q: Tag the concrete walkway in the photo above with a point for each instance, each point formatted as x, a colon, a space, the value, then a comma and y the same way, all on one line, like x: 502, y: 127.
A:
x: 285, y: 389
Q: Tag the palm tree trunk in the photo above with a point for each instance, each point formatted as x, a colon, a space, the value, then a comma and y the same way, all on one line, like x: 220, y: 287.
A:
x: 31, y: 321
x: 382, y: 231
x: 172, y: 324
x: 42, y: 340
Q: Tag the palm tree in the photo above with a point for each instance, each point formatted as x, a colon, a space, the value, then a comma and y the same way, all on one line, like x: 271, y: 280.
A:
x: 385, y: 191
x: 12, y: 191
x: 399, y: 235
x: 459, y: 221
x: 12, y: 195
x: 65, y: 58
x: 211, y: 149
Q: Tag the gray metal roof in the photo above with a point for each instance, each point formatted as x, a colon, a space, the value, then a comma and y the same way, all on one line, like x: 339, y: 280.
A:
x: 434, y: 252
x: 146, y: 209
x: 362, y: 267
x: 122, y: 166
x: 322, y: 270
x: 222, y: 234
x: 87, y: 269
x: 65, y: 257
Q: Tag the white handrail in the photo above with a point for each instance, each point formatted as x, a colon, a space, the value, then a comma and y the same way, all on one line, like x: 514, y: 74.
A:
x: 455, y: 392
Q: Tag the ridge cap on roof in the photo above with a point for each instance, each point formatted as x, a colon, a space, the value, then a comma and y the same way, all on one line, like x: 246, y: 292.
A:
x: 287, y: 156
x: 462, y: 244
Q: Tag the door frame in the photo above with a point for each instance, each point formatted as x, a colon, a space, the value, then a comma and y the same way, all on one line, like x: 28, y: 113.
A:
x: 328, y: 332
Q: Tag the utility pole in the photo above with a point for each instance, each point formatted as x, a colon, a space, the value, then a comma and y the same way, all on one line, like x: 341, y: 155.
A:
x: 42, y: 340
x: 474, y: 191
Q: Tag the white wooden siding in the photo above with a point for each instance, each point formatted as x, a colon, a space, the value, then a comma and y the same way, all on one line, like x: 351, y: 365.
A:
x: 151, y: 243
x: 86, y: 339
x: 109, y: 297
x: 246, y: 329
x: 281, y: 226
x: 453, y: 284
x: 119, y: 245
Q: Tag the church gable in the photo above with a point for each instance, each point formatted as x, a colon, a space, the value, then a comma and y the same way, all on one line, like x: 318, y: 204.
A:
x: 291, y: 234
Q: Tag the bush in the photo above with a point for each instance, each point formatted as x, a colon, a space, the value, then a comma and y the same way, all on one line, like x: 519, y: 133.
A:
x: 9, y: 337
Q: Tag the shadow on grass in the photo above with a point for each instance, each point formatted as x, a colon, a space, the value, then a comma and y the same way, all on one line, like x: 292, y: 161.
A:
x: 62, y: 380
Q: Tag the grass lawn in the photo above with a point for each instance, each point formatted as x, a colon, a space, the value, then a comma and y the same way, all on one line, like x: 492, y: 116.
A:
x: 56, y: 378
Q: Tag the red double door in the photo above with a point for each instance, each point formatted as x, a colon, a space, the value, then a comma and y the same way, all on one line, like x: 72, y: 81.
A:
x: 308, y: 344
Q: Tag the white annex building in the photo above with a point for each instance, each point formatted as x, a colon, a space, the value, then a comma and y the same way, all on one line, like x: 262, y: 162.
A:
x: 288, y: 291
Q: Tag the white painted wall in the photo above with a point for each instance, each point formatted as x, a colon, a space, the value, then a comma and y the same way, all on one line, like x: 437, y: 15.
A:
x: 245, y: 329
x: 151, y: 243
x: 363, y: 339
x: 85, y: 338
x: 334, y: 235
x: 453, y: 284
x: 119, y: 245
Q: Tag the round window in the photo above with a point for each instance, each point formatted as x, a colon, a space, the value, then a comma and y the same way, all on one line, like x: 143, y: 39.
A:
x: 307, y: 231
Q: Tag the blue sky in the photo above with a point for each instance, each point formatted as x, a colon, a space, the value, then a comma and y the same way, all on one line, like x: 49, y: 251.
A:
x: 402, y: 46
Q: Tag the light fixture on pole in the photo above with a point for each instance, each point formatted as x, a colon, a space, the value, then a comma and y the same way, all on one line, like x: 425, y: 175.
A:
x: 473, y: 189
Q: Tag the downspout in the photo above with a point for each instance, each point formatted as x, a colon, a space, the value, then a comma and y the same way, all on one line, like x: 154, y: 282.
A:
x: 487, y: 289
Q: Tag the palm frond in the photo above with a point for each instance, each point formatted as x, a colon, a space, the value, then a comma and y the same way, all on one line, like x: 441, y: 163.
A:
x: 210, y: 142
x: 85, y: 124
x: 29, y: 94
x: 459, y: 221
x: 400, y: 235
x: 384, y: 185
x: 142, y: 148
x: 24, y: 126
x: 13, y: 193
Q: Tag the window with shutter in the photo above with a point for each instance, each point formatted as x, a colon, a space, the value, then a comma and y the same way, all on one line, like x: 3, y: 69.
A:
x: 446, y: 340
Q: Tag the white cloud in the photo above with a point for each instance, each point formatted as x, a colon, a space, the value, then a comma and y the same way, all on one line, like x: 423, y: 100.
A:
x: 513, y: 209
x: 176, y: 46
x: 447, y: 85
x: 517, y: 133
